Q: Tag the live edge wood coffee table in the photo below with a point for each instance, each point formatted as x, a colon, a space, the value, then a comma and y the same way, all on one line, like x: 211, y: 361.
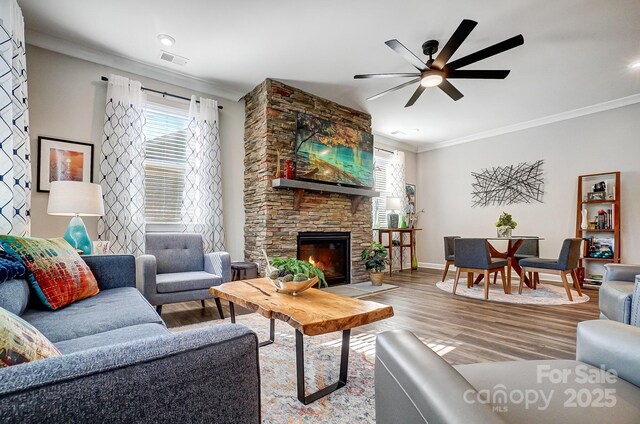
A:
x: 310, y: 313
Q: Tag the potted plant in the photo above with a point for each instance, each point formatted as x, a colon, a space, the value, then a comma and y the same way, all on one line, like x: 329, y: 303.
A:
x: 505, y: 225
x: 375, y: 261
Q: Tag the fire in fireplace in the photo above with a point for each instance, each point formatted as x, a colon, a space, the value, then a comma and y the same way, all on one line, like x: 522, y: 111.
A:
x: 331, y: 252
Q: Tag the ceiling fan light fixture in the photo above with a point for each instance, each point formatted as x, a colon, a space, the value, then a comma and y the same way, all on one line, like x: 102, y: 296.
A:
x: 431, y: 80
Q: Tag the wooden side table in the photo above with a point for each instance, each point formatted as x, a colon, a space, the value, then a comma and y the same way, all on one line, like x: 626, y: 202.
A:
x: 402, y: 232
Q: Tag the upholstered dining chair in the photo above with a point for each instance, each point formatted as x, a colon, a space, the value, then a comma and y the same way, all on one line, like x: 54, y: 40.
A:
x: 176, y: 269
x: 530, y: 248
x: 449, y: 253
x: 566, y: 263
x: 473, y: 256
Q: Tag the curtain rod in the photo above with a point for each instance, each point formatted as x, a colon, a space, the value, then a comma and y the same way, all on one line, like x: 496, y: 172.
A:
x: 164, y: 93
x: 384, y: 150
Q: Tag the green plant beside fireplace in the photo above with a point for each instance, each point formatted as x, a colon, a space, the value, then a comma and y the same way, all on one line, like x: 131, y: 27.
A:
x: 375, y: 260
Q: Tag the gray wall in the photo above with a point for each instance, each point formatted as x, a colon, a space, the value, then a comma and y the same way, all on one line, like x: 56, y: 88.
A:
x: 602, y: 142
x: 67, y: 101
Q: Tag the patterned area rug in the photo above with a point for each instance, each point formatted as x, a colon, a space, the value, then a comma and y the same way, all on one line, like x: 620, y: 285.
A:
x: 546, y: 293
x: 354, y: 403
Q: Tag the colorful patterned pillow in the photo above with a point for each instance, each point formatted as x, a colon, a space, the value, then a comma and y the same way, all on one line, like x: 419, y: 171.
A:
x: 10, y: 267
x: 55, y: 271
x: 20, y: 342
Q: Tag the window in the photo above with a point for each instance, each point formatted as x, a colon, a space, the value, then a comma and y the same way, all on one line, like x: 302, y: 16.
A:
x: 380, y: 165
x: 166, y: 135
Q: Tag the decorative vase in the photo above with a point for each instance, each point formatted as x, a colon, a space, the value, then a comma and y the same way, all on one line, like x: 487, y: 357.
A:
x: 288, y: 169
x: 414, y: 256
x: 504, y: 231
x: 403, y: 222
x: 392, y: 220
x: 376, y: 278
x: 585, y: 220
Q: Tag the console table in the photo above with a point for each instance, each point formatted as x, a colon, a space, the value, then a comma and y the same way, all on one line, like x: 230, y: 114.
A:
x: 402, y: 232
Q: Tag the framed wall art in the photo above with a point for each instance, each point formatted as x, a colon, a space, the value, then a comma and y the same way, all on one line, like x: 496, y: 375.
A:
x: 63, y: 160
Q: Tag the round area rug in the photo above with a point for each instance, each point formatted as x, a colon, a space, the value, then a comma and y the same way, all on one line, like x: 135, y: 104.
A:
x: 354, y: 403
x: 546, y: 293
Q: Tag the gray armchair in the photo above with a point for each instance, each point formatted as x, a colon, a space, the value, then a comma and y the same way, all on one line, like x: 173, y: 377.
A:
x: 176, y: 269
x: 415, y: 385
x: 617, y: 292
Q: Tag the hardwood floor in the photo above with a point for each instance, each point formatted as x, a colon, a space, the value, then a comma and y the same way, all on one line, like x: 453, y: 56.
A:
x: 465, y: 330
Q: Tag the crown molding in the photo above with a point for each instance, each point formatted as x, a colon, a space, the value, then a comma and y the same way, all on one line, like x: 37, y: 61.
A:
x: 576, y: 113
x: 69, y: 48
x: 394, y: 142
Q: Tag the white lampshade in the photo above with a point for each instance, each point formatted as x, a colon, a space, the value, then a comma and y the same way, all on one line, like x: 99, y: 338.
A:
x: 393, y: 204
x: 70, y: 198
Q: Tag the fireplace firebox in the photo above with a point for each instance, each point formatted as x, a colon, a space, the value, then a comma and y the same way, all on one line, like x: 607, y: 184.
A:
x: 331, y: 252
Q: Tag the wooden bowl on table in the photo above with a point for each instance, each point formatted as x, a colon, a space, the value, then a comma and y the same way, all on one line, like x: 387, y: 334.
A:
x: 293, y: 287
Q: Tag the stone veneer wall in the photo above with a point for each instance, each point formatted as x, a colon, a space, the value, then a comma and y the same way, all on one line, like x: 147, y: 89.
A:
x: 271, y: 221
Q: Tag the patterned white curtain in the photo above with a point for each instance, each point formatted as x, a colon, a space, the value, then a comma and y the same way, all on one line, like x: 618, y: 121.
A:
x: 396, y: 188
x: 122, y: 167
x: 15, y: 156
x: 202, y: 199
x: 395, y: 178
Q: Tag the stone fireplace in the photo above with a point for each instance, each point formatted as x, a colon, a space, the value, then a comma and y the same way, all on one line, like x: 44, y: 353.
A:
x: 276, y: 217
x: 329, y: 251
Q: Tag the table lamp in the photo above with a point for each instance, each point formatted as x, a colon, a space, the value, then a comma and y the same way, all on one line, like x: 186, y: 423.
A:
x: 76, y: 199
x: 392, y: 205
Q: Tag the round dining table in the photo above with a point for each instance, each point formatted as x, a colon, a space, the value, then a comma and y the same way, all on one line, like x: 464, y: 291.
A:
x: 513, y: 244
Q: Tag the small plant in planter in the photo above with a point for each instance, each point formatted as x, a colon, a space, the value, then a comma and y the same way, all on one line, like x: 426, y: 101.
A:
x: 505, y: 225
x: 375, y: 261
x: 289, y: 269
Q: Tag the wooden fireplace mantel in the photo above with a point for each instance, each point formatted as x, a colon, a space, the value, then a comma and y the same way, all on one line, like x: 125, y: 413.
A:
x: 299, y: 187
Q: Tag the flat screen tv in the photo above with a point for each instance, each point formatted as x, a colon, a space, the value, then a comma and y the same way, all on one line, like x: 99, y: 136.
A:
x: 333, y: 153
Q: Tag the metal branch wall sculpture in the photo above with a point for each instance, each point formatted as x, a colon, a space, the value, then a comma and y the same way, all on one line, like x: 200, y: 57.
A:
x: 507, y: 185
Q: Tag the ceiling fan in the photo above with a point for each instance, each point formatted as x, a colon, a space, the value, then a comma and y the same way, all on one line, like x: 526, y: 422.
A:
x: 437, y: 72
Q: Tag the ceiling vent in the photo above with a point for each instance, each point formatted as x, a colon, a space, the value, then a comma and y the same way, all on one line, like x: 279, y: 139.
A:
x: 173, y: 58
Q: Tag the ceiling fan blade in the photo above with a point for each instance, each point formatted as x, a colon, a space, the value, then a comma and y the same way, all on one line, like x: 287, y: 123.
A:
x: 479, y: 74
x: 451, y: 91
x: 458, y: 37
x: 363, y: 76
x: 415, y: 96
x: 399, y: 48
x: 503, y: 46
x: 398, y: 87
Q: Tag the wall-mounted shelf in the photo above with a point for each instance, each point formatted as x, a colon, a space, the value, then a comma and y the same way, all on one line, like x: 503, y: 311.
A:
x: 356, y: 194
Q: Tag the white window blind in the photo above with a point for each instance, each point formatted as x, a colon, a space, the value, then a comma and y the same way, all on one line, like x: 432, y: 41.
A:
x: 166, y: 136
x: 381, y: 162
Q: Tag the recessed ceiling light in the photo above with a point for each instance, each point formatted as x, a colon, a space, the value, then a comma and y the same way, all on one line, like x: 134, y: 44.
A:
x: 167, y: 40
x: 635, y: 65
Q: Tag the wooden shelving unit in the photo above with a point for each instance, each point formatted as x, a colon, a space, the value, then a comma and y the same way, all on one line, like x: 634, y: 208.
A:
x: 594, y: 266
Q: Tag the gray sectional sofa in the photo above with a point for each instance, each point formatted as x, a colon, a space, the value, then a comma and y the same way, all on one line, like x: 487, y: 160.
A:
x: 120, y: 364
x: 414, y: 385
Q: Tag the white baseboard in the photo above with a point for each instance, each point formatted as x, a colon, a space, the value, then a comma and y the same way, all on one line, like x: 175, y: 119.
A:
x: 440, y: 266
